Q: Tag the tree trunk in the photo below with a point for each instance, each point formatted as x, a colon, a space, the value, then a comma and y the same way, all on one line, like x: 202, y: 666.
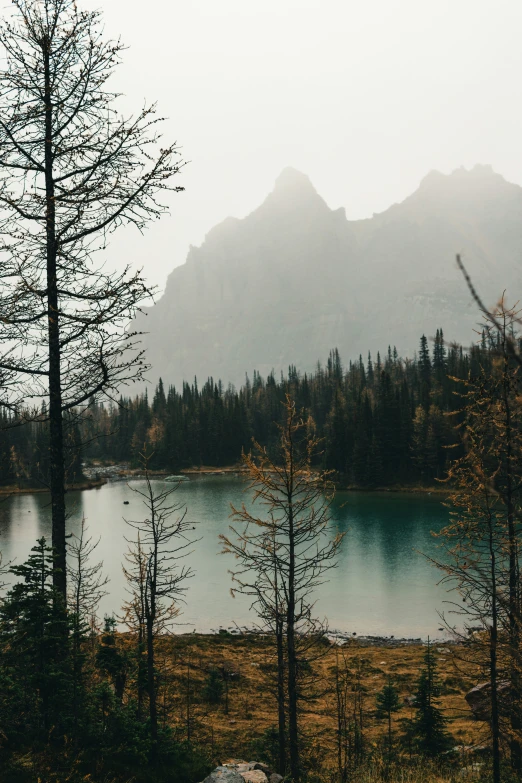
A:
x: 141, y: 670
x: 151, y: 687
x: 281, y: 696
x: 389, y: 735
x: 56, y: 455
x: 293, y: 738
x: 493, y: 667
x: 188, y: 703
x: 514, y: 633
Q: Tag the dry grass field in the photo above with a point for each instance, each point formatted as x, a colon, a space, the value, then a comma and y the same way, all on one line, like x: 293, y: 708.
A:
x: 235, y: 732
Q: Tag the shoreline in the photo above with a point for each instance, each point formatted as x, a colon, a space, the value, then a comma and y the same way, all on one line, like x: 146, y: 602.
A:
x: 78, y: 487
x: 236, y: 471
x: 338, y: 638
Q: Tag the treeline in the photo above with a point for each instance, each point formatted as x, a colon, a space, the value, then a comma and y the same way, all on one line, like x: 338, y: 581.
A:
x: 24, y: 448
x: 384, y: 420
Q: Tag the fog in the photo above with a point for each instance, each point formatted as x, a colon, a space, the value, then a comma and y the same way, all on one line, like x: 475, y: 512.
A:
x: 365, y: 97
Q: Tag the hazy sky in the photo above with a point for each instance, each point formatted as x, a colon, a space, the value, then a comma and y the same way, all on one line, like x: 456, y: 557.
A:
x: 365, y: 97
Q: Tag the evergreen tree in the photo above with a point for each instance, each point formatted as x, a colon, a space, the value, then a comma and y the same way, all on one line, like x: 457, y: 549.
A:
x: 424, y: 373
x: 428, y: 727
x: 214, y: 687
x: 387, y: 703
x: 35, y: 666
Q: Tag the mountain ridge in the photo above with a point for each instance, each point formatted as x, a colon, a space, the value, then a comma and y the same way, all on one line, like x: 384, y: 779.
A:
x: 294, y: 278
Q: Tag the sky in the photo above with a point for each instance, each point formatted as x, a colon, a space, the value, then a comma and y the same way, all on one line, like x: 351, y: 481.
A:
x: 365, y: 97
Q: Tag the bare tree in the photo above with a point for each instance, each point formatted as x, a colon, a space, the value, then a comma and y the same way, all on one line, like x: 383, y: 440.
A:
x: 284, y: 554
x: 156, y: 574
x: 86, y: 580
x: 72, y: 170
x: 86, y: 589
x: 135, y: 572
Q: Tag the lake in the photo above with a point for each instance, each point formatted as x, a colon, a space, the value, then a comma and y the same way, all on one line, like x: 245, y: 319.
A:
x: 382, y: 586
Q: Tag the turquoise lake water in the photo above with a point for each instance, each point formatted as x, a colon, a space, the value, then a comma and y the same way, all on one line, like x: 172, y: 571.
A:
x: 382, y: 586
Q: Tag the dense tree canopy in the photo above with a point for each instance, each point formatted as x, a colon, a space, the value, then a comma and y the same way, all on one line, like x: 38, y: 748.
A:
x: 384, y: 421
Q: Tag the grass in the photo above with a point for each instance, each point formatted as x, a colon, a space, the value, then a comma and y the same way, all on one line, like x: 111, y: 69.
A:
x: 188, y: 659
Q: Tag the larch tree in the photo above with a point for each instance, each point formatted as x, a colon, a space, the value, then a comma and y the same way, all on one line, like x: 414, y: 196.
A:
x: 284, y: 552
x: 156, y: 577
x: 482, y: 541
x: 72, y: 170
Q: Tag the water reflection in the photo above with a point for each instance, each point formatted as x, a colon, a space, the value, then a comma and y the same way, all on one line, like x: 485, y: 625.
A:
x: 382, y: 585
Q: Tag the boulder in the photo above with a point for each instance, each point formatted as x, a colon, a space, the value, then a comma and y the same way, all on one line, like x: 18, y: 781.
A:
x: 472, y: 771
x: 254, y: 776
x: 224, y: 775
x: 238, y: 771
x: 479, y: 699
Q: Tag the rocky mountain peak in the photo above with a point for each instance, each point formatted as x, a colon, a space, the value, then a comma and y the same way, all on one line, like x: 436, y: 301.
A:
x: 294, y: 279
x: 481, y: 178
x: 293, y: 191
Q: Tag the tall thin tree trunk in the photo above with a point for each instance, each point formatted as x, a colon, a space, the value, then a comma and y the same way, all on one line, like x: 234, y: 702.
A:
x: 389, y: 735
x: 279, y: 634
x: 188, y: 702
x: 340, y: 694
x: 151, y: 608
x: 56, y: 455
x: 141, y: 672
x: 281, y: 696
x: 293, y: 737
x: 151, y: 687
x: 514, y: 631
x: 493, y: 666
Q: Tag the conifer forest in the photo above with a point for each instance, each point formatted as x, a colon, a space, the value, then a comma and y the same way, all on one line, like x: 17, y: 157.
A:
x: 383, y: 422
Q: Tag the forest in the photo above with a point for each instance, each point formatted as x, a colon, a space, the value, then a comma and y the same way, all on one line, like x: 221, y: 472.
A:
x: 384, y: 422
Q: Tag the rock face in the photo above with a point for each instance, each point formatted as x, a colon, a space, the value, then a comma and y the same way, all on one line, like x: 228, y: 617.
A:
x: 479, y: 699
x: 295, y: 279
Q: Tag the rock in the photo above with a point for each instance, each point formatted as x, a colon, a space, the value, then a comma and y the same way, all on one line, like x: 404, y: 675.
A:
x: 479, y: 698
x: 472, y: 770
x: 224, y: 775
x: 239, y: 771
x: 254, y: 776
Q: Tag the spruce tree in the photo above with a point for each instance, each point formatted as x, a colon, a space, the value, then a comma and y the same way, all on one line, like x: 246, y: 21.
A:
x: 35, y: 669
x: 428, y: 727
x: 424, y: 373
x: 387, y: 703
x: 214, y: 687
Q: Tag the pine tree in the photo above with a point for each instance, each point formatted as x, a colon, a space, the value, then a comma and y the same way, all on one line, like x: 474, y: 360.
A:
x: 388, y: 702
x: 214, y: 687
x: 34, y: 664
x: 424, y: 373
x: 428, y: 727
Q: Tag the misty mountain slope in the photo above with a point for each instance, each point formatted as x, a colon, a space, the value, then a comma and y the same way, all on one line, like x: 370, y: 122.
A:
x: 294, y: 278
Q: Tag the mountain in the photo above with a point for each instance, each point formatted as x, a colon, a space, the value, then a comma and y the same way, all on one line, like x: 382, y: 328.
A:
x: 294, y: 278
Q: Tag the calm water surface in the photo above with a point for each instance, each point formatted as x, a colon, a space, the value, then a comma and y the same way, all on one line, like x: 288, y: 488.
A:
x: 382, y: 586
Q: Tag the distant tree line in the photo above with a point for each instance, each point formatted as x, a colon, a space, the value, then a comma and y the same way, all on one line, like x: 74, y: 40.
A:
x: 384, y: 420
